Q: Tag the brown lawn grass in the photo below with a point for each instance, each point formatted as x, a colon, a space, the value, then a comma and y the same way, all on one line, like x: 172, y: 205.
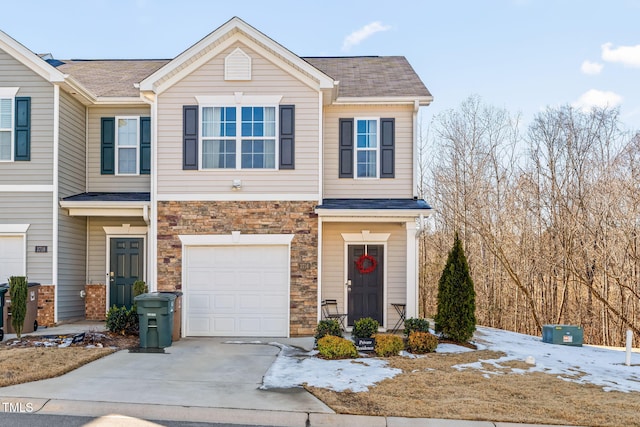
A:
x: 430, y: 388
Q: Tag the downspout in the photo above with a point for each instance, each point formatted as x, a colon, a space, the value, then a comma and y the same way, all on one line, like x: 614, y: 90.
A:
x: 320, y: 196
x: 416, y: 152
x: 55, y: 212
x: 149, y: 215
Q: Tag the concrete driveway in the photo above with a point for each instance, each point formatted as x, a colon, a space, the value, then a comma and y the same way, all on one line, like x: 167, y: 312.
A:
x: 193, y: 372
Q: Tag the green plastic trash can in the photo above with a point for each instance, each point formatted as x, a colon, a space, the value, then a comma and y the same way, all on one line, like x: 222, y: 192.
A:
x: 155, y: 315
x: 31, y: 316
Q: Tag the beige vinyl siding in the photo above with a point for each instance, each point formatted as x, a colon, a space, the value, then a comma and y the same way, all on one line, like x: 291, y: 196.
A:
x: 267, y: 79
x: 39, y: 170
x: 107, y: 183
x: 72, y: 155
x: 334, y: 273
x: 32, y: 208
x: 72, y: 244
x: 97, y: 256
x: 399, y: 187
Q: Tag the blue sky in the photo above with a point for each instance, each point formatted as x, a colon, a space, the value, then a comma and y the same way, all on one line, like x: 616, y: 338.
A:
x: 522, y: 55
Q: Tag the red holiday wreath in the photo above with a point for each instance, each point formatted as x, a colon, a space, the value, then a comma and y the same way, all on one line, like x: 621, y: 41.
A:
x: 360, y: 264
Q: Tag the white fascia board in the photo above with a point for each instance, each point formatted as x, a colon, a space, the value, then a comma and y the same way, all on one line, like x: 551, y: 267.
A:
x: 384, y: 214
x: 236, y: 197
x: 30, y: 59
x: 73, y: 87
x: 135, y: 209
x: 150, y: 83
x: 352, y: 100
x: 14, y: 228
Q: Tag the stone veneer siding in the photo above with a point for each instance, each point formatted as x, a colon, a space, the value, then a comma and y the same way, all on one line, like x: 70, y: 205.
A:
x: 199, y: 217
x: 46, y: 302
x: 95, y: 302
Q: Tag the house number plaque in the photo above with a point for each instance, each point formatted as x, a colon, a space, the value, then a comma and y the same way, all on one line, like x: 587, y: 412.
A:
x: 42, y: 249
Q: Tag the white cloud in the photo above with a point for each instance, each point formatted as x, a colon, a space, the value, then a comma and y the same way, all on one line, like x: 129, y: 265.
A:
x: 626, y: 55
x: 598, y: 98
x: 362, y: 34
x: 592, y: 68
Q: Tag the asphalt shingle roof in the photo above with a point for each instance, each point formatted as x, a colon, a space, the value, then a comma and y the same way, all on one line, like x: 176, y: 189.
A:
x: 109, y: 197
x: 378, y: 204
x: 359, y: 76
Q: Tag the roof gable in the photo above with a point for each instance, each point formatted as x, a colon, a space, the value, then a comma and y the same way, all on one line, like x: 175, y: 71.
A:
x: 229, y: 33
x: 29, y: 59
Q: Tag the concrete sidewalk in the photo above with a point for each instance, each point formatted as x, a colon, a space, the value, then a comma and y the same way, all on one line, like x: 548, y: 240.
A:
x: 196, y: 379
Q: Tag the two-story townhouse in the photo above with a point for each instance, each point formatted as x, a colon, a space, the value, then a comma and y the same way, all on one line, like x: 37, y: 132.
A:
x: 256, y: 182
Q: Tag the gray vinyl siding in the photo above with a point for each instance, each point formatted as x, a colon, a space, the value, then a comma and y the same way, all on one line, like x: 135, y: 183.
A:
x: 39, y: 170
x: 98, y: 182
x: 72, y: 244
x: 267, y: 79
x: 72, y: 154
x: 399, y: 187
x: 333, y: 263
x: 97, y: 244
x: 32, y: 208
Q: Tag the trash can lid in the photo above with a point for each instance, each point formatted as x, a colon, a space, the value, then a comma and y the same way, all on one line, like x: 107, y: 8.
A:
x: 156, y: 296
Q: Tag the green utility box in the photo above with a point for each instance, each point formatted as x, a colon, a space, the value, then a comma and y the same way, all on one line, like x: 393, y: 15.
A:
x: 562, y: 334
x: 155, y: 313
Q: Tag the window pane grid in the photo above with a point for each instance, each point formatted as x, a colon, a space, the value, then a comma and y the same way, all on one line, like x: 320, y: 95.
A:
x: 127, y: 142
x: 127, y: 160
x: 5, y: 145
x: 219, y: 154
x: 5, y: 113
x: 367, y: 148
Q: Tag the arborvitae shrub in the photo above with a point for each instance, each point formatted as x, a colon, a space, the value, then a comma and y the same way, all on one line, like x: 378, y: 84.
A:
x: 18, y: 290
x: 388, y: 345
x: 413, y: 324
x: 328, y: 327
x: 331, y: 347
x: 365, y: 328
x: 456, y: 318
x: 422, y: 342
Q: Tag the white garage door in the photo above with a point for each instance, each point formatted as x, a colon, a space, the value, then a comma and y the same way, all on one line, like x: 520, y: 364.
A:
x: 11, y: 257
x: 237, y: 291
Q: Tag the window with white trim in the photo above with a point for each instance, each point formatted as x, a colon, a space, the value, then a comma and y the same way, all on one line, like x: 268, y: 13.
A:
x: 366, y: 147
x: 238, y: 137
x: 127, y: 145
x: 6, y: 129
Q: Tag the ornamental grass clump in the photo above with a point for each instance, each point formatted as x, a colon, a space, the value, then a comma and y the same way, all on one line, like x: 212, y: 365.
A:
x: 422, y: 342
x: 331, y: 347
x: 388, y: 345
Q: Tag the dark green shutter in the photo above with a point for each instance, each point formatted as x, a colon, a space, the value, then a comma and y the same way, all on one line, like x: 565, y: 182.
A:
x: 346, y: 148
x: 387, y: 148
x: 190, y: 137
x: 145, y: 145
x: 107, y: 145
x: 287, y: 136
x: 22, y: 145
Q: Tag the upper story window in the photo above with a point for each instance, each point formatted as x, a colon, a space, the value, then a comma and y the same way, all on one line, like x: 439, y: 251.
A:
x: 6, y: 129
x: 127, y: 142
x: 366, y: 148
x: 239, y: 137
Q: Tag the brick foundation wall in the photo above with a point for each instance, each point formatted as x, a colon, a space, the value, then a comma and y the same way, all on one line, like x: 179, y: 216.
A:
x: 95, y: 302
x: 298, y: 218
x: 46, y: 303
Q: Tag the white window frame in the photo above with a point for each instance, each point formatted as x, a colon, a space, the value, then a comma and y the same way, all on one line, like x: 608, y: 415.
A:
x: 356, y: 149
x: 10, y: 94
x: 238, y: 100
x: 128, y: 147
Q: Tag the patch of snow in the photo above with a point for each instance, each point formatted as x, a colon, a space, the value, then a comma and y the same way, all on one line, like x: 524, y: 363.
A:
x: 603, y: 367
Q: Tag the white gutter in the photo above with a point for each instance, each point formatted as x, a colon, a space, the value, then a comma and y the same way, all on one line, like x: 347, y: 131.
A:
x: 320, y: 148
x: 55, y: 210
x: 406, y: 100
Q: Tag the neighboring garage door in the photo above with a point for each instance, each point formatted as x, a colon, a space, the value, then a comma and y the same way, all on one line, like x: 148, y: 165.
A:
x: 11, y: 257
x: 237, y: 291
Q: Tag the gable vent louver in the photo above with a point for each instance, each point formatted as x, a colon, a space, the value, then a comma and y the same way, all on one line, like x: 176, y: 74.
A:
x: 237, y: 66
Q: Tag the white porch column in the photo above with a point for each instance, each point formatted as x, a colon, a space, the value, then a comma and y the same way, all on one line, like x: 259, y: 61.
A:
x: 412, y: 270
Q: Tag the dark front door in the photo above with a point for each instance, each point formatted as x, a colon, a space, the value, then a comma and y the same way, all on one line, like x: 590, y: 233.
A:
x: 127, y: 266
x: 365, y: 296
